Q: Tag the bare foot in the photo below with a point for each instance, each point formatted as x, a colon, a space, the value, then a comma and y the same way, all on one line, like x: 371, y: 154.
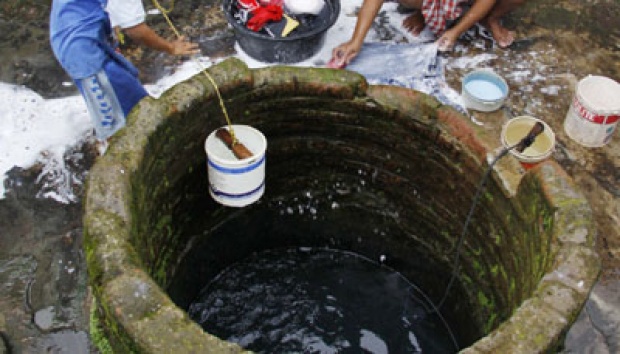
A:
x: 503, y: 37
x: 414, y: 23
x: 102, y: 145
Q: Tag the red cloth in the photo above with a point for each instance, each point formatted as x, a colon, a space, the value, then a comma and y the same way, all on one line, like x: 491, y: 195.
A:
x: 438, y: 12
x: 272, y: 2
x: 247, y: 4
x: 262, y: 15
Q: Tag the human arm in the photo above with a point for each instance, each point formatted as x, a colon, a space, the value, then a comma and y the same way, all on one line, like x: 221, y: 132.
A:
x: 345, y: 52
x: 144, y: 35
x: 478, y: 11
x: 129, y: 15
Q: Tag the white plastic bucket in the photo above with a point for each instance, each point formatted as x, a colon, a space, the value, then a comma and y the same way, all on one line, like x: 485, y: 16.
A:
x: 234, y: 182
x: 517, y: 128
x: 484, y: 90
x: 595, y: 111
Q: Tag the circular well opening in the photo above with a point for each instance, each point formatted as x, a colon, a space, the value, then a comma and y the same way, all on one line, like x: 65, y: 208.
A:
x: 381, y: 172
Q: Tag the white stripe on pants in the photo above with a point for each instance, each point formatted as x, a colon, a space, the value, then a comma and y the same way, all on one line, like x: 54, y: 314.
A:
x: 103, y: 105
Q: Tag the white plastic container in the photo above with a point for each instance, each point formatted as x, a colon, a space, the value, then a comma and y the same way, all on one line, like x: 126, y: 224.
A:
x: 595, y: 111
x: 517, y: 128
x: 234, y: 182
x: 484, y: 90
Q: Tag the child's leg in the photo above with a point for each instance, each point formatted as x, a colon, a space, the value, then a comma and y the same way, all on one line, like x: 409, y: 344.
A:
x: 103, y: 105
x: 129, y: 90
x: 414, y: 23
x: 110, y: 95
x: 411, y: 4
x: 502, y: 35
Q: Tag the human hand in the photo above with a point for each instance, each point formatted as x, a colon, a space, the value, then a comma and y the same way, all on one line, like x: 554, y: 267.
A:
x: 343, y: 54
x: 414, y: 23
x: 182, y: 47
x: 446, y: 42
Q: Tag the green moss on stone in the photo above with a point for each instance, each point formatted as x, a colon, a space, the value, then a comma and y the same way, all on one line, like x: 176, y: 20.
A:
x: 97, y: 335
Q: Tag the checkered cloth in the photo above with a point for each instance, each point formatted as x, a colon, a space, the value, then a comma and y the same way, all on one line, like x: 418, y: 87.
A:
x: 438, y: 12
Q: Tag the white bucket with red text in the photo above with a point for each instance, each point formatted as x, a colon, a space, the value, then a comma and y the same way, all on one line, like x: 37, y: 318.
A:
x: 234, y: 182
x: 594, y: 112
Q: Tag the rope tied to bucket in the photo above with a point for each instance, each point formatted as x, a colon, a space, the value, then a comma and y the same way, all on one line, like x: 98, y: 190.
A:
x: 233, y: 142
x: 162, y: 9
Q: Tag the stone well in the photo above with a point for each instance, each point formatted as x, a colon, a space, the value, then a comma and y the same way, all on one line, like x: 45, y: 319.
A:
x: 391, y: 156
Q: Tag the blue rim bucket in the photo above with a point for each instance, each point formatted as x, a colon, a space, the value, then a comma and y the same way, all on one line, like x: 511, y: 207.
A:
x: 484, y: 90
x: 234, y: 182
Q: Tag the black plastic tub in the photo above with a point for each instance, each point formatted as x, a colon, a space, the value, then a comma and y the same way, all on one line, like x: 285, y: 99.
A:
x: 297, y: 46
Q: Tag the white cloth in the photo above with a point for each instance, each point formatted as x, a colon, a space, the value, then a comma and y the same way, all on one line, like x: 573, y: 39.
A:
x: 126, y: 13
x: 300, y: 7
x: 414, y: 65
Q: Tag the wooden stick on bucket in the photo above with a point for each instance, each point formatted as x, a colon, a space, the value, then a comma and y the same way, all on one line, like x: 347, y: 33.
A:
x: 238, y: 149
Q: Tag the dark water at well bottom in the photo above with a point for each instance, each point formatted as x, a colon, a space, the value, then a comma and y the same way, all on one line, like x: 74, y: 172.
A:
x: 319, y: 301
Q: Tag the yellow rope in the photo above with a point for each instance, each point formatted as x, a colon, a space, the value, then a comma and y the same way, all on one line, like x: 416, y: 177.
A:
x: 161, y: 8
x: 202, y: 68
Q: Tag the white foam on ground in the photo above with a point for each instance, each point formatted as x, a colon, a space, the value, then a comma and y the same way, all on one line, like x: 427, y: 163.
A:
x: 33, y: 129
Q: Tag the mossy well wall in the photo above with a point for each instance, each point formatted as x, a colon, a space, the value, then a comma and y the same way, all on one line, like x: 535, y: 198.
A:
x: 527, y: 264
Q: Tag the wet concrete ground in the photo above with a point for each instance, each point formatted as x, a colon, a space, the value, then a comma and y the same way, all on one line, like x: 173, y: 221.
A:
x: 44, y: 298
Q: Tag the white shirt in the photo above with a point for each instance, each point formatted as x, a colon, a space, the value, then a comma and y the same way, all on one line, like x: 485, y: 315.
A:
x: 125, y: 13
